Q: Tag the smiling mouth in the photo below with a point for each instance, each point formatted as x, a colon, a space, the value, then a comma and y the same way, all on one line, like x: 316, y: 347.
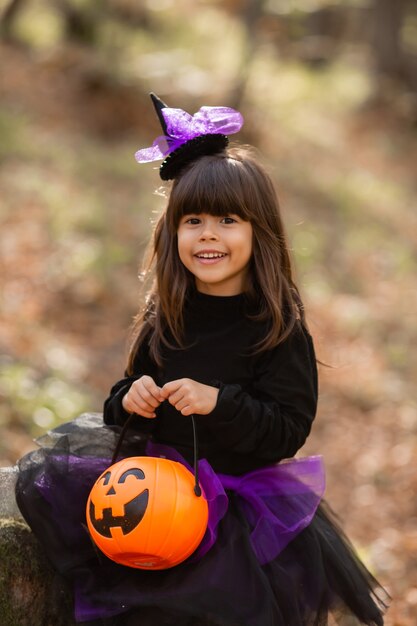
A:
x: 134, y: 512
x: 210, y: 255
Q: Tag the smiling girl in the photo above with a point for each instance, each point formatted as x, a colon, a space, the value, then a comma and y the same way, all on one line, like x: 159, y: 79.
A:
x: 223, y: 308
x: 223, y: 337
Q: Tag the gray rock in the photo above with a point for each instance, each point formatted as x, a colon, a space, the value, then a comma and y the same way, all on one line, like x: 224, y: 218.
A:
x: 31, y: 592
x: 8, y: 506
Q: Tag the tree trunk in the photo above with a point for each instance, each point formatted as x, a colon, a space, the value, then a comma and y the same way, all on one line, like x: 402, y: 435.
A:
x: 252, y: 12
x: 8, y: 18
x: 388, y: 19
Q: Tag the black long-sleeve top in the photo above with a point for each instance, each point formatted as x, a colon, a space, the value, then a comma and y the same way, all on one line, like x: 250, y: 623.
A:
x: 267, y: 400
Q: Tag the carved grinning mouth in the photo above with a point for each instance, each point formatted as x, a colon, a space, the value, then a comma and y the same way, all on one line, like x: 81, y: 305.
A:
x: 134, y: 512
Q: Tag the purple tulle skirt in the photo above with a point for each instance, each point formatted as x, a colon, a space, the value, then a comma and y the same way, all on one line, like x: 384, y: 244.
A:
x: 272, y: 554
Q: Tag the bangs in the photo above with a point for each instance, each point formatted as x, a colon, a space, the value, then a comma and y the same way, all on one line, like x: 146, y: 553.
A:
x: 214, y: 185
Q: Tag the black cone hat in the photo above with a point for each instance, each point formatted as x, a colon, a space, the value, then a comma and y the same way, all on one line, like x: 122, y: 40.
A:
x: 191, y: 150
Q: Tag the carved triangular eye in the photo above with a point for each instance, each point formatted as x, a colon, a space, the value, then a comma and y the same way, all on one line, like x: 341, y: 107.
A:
x: 106, y: 478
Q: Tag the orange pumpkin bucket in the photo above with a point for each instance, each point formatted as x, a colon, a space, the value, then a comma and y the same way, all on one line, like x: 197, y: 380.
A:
x: 143, y: 512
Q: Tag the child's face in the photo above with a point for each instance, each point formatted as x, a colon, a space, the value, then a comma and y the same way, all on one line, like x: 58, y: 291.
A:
x: 217, y: 250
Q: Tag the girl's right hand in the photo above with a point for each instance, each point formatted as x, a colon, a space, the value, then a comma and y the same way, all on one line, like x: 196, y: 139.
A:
x: 143, y: 397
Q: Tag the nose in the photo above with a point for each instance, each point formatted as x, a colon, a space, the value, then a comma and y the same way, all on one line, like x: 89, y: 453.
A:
x: 208, y: 233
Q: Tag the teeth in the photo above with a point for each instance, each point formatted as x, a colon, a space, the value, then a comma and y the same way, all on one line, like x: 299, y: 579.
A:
x: 210, y: 255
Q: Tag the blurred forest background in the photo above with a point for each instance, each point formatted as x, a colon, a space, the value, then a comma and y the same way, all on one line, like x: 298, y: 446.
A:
x: 328, y: 90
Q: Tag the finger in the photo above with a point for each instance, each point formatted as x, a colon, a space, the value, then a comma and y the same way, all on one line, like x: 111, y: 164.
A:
x: 185, y: 406
x: 141, y: 407
x: 178, y: 398
x: 147, y: 414
x: 187, y: 410
x: 148, y: 397
x: 137, y: 402
x: 143, y: 413
x: 172, y: 387
x: 151, y: 387
x: 182, y: 403
x: 138, y: 409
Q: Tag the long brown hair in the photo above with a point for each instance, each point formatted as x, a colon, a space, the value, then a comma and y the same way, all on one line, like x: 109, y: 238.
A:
x: 232, y: 182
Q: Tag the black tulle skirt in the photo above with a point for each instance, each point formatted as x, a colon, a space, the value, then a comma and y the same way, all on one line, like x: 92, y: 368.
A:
x: 316, y: 573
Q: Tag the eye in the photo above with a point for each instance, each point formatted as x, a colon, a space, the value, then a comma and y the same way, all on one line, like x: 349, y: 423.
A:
x: 229, y: 220
x: 192, y: 220
x: 131, y: 472
x: 106, y: 478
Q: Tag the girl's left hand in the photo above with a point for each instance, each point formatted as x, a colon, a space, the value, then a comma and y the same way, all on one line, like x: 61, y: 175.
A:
x: 189, y: 396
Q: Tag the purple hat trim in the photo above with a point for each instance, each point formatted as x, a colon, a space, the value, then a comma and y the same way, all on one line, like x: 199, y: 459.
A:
x: 181, y: 129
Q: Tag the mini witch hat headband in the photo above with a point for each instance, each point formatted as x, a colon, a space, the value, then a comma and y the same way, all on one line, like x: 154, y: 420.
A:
x: 187, y: 137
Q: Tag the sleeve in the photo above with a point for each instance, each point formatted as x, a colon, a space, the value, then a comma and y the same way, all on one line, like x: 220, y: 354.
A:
x: 113, y: 411
x: 274, y: 420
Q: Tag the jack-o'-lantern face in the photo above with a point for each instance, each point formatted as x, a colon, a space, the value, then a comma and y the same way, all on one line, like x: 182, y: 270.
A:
x: 143, y: 512
x: 118, y: 509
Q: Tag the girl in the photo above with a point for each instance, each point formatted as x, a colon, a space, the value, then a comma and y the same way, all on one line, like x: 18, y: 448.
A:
x: 223, y: 338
